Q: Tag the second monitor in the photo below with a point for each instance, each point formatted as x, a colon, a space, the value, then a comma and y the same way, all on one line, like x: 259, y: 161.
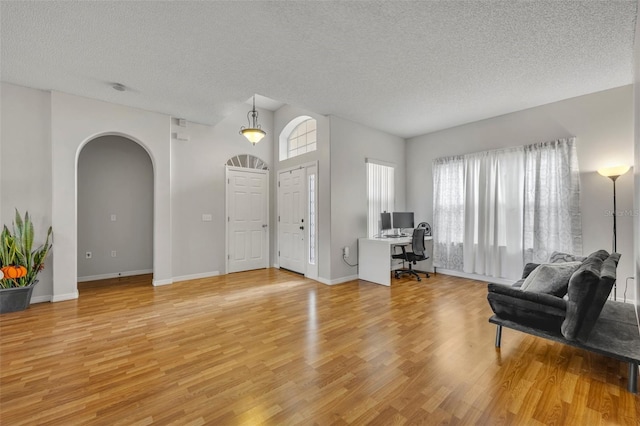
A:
x: 402, y: 220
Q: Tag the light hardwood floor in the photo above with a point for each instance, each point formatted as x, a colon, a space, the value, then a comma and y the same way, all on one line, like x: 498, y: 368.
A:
x: 270, y: 347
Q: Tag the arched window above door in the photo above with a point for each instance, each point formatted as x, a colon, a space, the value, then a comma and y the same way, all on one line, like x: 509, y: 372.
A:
x: 247, y: 161
x: 298, y: 137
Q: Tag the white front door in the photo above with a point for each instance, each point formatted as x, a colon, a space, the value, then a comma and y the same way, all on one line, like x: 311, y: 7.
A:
x: 247, y: 221
x: 291, y: 225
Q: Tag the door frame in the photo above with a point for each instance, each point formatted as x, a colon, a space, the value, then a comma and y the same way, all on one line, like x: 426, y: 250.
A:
x: 226, y: 212
x: 310, y: 271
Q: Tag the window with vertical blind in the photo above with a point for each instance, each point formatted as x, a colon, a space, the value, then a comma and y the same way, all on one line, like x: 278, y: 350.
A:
x: 380, y: 193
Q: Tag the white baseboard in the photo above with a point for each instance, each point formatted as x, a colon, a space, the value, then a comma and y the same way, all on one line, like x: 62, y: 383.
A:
x: 63, y: 297
x: 196, y: 276
x: 114, y: 275
x: 157, y: 283
x: 476, y: 277
x: 41, y: 299
x: 621, y: 299
x: 337, y: 280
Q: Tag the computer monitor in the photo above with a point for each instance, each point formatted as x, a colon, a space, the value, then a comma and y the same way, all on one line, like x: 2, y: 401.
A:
x: 402, y: 220
x: 385, y: 221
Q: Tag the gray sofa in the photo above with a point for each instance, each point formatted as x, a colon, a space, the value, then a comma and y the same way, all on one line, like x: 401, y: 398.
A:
x: 563, y: 301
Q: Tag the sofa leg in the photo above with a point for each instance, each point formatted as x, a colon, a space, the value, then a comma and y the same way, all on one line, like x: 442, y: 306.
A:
x: 499, y: 336
x: 633, y: 378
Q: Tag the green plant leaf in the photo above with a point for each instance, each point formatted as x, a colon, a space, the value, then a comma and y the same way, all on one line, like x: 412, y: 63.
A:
x: 16, y: 249
x: 28, y: 233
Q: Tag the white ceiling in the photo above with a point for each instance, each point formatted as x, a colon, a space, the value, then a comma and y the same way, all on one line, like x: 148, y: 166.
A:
x: 407, y: 68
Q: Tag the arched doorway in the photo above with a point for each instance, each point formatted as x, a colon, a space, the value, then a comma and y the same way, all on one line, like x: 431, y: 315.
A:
x: 115, y: 209
x: 247, y: 208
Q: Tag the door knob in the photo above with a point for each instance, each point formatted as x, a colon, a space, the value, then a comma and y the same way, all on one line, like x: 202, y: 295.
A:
x: 302, y: 227
x: 264, y: 226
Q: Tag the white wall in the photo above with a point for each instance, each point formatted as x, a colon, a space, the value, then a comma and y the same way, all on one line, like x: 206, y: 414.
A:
x: 198, y: 187
x: 115, y: 177
x: 351, y: 144
x: 189, y: 176
x: 25, y: 168
x: 52, y: 128
x: 603, y: 125
x: 636, y: 170
x: 74, y: 122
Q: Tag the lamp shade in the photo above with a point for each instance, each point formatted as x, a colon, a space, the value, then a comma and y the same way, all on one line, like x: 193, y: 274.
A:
x: 614, y: 171
x: 253, y: 135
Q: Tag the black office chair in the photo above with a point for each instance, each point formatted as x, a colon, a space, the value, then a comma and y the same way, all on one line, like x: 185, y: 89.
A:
x: 416, y: 254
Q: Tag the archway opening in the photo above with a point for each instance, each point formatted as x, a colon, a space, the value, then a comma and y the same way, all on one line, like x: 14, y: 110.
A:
x: 115, y: 209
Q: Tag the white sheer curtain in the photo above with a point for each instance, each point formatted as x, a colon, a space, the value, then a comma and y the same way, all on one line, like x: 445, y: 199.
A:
x: 518, y: 205
x: 448, y: 212
x: 552, y: 218
x: 494, y: 186
x: 380, y: 193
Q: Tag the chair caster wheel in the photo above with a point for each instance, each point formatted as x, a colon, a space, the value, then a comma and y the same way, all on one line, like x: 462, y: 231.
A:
x: 419, y: 279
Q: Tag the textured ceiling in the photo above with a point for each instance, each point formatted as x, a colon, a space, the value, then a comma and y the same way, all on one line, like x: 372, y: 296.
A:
x: 407, y: 68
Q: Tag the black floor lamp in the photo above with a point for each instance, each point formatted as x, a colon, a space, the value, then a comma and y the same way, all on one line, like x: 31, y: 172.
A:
x: 614, y: 173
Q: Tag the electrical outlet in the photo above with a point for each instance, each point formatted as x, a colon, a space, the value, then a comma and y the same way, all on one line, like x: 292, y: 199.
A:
x: 113, y: 218
x: 113, y: 253
x: 345, y: 251
x: 88, y: 255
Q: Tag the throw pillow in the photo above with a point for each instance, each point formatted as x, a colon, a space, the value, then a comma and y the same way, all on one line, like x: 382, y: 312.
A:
x: 558, y: 257
x: 529, y: 268
x: 550, y: 278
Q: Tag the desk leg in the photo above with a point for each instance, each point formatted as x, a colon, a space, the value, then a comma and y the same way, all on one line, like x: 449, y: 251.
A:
x: 633, y: 378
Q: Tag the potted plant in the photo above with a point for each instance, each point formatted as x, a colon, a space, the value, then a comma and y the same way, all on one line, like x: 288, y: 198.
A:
x: 20, y: 263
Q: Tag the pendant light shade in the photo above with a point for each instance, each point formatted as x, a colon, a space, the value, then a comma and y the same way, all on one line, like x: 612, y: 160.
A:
x: 253, y: 133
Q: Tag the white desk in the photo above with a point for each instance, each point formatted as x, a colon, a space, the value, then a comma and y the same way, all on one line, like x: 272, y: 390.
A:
x: 374, y: 258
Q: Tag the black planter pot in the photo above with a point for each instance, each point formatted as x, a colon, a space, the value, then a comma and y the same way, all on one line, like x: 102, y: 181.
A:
x: 15, y: 299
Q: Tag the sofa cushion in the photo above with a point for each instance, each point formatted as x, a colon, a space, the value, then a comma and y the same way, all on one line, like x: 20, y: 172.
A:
x: 550, y: 278
x: 559, y: 257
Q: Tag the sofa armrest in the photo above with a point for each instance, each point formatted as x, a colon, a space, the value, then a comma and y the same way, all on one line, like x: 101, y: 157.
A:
x: 539, y: 310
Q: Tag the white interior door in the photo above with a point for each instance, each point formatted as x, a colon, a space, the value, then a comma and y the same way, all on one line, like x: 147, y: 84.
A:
x: 291, y: 225
x: 247, y: 227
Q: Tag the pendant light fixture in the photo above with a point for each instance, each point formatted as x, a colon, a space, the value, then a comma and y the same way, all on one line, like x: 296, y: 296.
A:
x: 253, y: 133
